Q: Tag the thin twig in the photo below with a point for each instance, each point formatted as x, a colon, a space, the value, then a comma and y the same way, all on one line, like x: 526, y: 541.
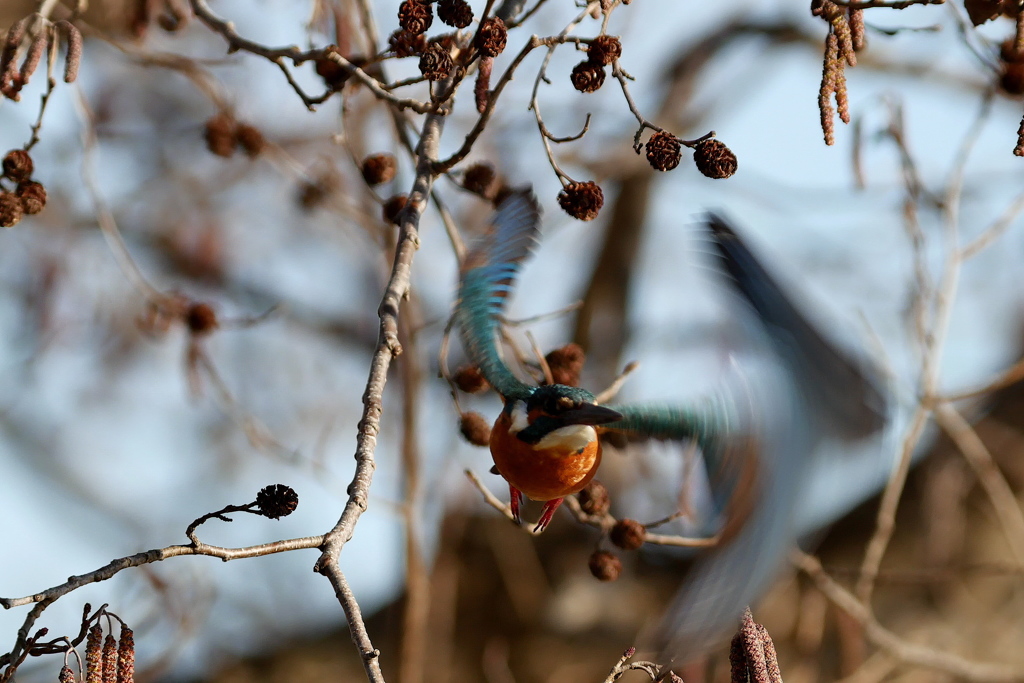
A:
x: 909, y: 653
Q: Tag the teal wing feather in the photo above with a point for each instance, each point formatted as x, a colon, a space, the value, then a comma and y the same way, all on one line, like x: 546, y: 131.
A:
x: 713, y: 423
x: 488, y: 278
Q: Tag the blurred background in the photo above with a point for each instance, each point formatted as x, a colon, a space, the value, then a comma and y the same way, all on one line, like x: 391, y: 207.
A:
x: 119, y: 425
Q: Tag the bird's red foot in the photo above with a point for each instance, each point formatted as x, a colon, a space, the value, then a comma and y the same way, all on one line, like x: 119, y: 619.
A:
x: 547, y: 514
x: 515, y: 503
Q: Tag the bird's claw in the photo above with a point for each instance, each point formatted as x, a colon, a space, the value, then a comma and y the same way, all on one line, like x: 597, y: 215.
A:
x: 515, y: 503
x: 547, y: 514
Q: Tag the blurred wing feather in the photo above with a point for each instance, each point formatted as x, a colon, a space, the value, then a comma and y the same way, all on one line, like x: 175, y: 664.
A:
x: 847, y: 386
x: 488, y: 278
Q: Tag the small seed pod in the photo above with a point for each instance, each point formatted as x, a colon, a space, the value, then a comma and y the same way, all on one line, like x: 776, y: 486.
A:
x: 201, y: 318
x: 277, y: 501
x: 455, y: 13
x: 436, y: 63
x: 587, y: 76
x: 628, y: 534
x: 11, y: 210
x: 393, y: 207
x: 33, y: 196
x: 94, y: 655
x: 126, y: 656
x: 491, y: 37
x: 407, y: 44
x: 109, y: 659
x: 66, y: 675
x: 469, y: 379
x: 604, y: 50
x: 220, y: 135
x: 480, y: 179
x: 415, y: 16
x: 566, y: 364
x: 714, y: 159
x: 594, y: 499
x: 250, y: 139
x: 581, y: 200
x: 333, y: 74
x: 379, y: 168
x: 475, y: 428
x: 664, y: 151
x: 604, y: 565
x: 18, y: 165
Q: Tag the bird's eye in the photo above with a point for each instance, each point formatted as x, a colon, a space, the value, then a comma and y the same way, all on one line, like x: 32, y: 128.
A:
x: 564, y: 403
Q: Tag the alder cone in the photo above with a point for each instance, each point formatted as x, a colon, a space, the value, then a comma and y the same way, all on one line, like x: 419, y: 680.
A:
x: 32, y: 196
x: 604, y: 565
x: 491, y: 37
x: 220, y: 135
x: 436, y: 63
x: 714, y: 159
x: 475, y: 428
x: 379, y: 168
x: 469, y: 379
x: 581, y: 200
x: 393, y: 207
x: 480, y: 179
x: 277, y: 500
x: 594, y: 498
x: 587, y: 76
x: 406, y: 44
x: 604, y: 50
x: 455, y: 13
x: 18, y: 165
x: 415, y: 16
x: 628, y: 534
x: 664, y: 151
x: 11, y: 210
x: 201, y: 318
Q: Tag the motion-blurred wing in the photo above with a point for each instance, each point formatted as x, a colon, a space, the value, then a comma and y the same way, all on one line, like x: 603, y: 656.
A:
x: 755, y: 470
x: 815, y: 391
x: 488, y: 275
x: 714, y: 424
x: 848, y: 388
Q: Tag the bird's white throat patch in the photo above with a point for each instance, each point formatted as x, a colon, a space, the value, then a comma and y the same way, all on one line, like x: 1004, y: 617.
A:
x: 520, y: 420
x: 568, y: 438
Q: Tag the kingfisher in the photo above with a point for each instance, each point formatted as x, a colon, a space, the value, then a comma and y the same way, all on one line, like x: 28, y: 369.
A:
x: 756, y: 431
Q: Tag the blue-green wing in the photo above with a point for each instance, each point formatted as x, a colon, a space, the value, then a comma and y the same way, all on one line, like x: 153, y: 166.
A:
x: 715, y: 425
x: 488, y: 277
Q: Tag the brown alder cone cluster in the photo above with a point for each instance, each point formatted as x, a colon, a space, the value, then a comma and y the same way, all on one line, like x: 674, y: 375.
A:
x: 27, y: 197
x: 223, y: 134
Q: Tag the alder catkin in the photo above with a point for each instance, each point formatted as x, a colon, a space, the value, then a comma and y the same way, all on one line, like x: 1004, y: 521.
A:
x: 109, y: 659
x: 94, y: 655
x: 126, y: 656
x: 34, y: 55
x: 74, y: 56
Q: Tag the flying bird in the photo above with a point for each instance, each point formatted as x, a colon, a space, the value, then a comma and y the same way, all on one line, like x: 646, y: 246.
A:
x: 757, y: 430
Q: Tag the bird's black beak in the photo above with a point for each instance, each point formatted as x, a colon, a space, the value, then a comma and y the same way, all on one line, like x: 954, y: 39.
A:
x: 589, y: 414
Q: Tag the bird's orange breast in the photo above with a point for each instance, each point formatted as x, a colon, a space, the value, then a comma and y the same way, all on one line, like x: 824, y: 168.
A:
x: 542, y: 473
